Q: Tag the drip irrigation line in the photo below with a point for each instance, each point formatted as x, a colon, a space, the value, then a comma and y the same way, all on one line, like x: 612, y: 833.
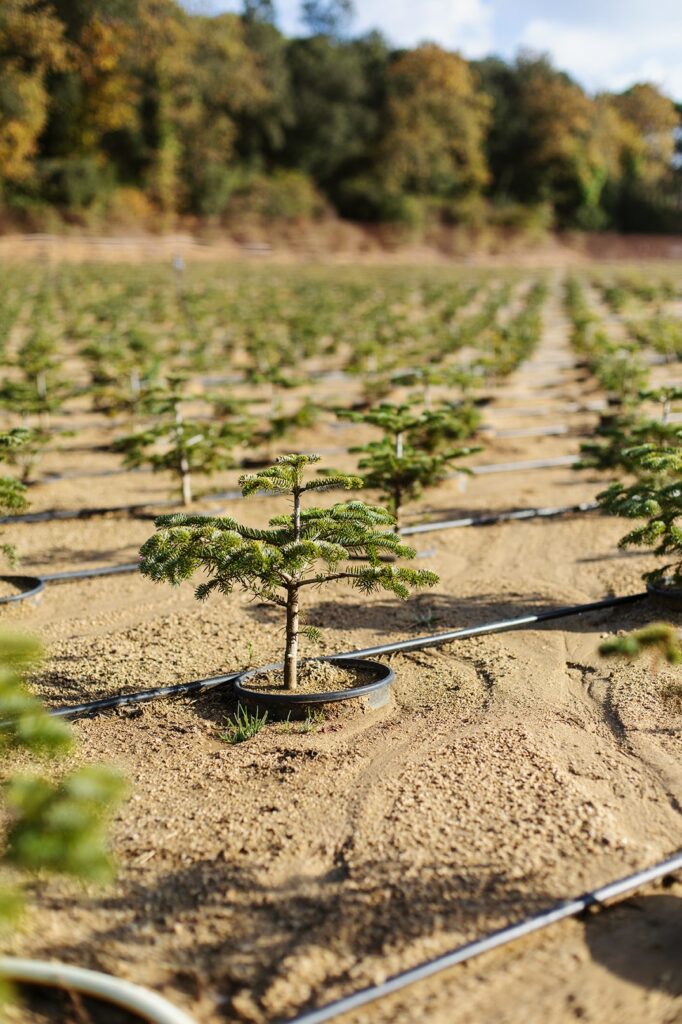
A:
x: 594, y: 898
x: 559, y: 430
x: 29, y: 586
x: 503, y: 626
x: 53, y: 478
x: 142, y: 508
x: 142, y: 696
x: 33, y: 585
x: 513, y: 467
x: 500, y: 517
x: 198, y: 686
x: 49, y: 515
x: 84, y: 574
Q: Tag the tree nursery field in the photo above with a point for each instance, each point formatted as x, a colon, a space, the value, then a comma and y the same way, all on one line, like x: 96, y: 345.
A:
x: 273, y: 465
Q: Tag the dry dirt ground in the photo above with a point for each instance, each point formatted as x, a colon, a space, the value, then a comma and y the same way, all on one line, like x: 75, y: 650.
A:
x: 508, y: 771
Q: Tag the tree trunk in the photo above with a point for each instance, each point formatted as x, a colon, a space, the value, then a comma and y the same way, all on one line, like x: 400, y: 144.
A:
x: 186, y: 483
x: 397, y: 502
x: 291, y: 652
x: 183, y: 464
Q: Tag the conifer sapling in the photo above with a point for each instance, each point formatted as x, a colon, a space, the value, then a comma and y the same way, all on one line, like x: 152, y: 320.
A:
x: 412, y: 455
x: 627, y: 432
x: 178, y: 444
x: 657, y: 498
x: 12, y: 491
x: 307, y: 547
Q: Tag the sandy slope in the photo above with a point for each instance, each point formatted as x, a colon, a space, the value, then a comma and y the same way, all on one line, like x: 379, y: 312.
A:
x: 508, y: 772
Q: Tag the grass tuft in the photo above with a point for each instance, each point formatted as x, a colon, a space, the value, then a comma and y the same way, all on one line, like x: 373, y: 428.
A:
x: 244, y: 725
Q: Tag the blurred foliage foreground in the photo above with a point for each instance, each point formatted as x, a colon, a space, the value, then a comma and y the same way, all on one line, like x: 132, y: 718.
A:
x: 50, y: 824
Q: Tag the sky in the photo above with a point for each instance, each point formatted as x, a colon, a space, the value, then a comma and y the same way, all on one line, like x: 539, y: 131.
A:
x: 604, y: 44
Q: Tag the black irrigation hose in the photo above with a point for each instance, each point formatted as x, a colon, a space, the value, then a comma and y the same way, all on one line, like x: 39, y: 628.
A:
x: 559, y: 912
x: 52, y: 478
x: 83, y: 513
x: 142, y: 508
x: 500, y: 517
x: 511, y: 467
x: 35, y: 584
x: 418, y: 643
x: 86, y: 574
x: 30, y: 586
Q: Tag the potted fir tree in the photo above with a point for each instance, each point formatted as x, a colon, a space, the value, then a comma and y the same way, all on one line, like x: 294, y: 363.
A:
x: 307, y: 547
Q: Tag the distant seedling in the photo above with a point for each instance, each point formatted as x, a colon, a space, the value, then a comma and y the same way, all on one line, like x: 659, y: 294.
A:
x: 12, y: 491
x: 413, y: 453
x: 177, y: 444
x: 656, y: 497
x: 659, y: 637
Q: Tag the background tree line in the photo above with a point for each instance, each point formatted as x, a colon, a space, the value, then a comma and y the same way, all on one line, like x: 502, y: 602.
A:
x: 141, y: 109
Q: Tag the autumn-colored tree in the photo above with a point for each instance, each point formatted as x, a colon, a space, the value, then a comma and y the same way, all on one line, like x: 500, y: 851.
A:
x: 154, y: 107
x: 436, y: 123
x: 226, y: 81
x: 653, y: 120
x: 31, y: 45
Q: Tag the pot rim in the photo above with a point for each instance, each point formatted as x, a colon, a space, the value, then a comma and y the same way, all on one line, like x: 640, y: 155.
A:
x: 293, y: 697
x: 30, y: 587
x: 660, y: 584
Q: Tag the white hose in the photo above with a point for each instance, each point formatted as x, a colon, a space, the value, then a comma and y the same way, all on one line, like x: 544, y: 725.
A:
x: 148, y: 1005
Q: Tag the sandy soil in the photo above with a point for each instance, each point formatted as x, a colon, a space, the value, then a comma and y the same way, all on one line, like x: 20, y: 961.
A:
x: 507, y: 773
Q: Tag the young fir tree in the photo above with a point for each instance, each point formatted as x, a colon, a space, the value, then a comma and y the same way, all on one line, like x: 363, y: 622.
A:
x: 306, y: 547
x: 412, y: 455
x: 12, y: 491
x: 179, y: 445
x: 281, y: 424
x: 620, y: 433
x: 430, y: 376
x: 623, y: 436
x: 665, y: 397
x: 26, y: 456
x: 122, y: 371
x: 22, y: 398
x: 657, y: 498
x: 48, y: 826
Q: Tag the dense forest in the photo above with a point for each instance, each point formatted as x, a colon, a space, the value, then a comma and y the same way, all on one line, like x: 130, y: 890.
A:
x: 139, y: 110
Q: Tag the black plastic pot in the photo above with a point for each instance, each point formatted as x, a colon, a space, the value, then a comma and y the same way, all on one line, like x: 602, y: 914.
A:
x: 667, y: 593
x: 376, y: 692
x: 29, y: 586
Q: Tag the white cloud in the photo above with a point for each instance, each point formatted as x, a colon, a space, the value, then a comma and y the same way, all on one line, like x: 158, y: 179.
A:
x: 458, y: 24
x: 614, y: 56
x: 605, y: 44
